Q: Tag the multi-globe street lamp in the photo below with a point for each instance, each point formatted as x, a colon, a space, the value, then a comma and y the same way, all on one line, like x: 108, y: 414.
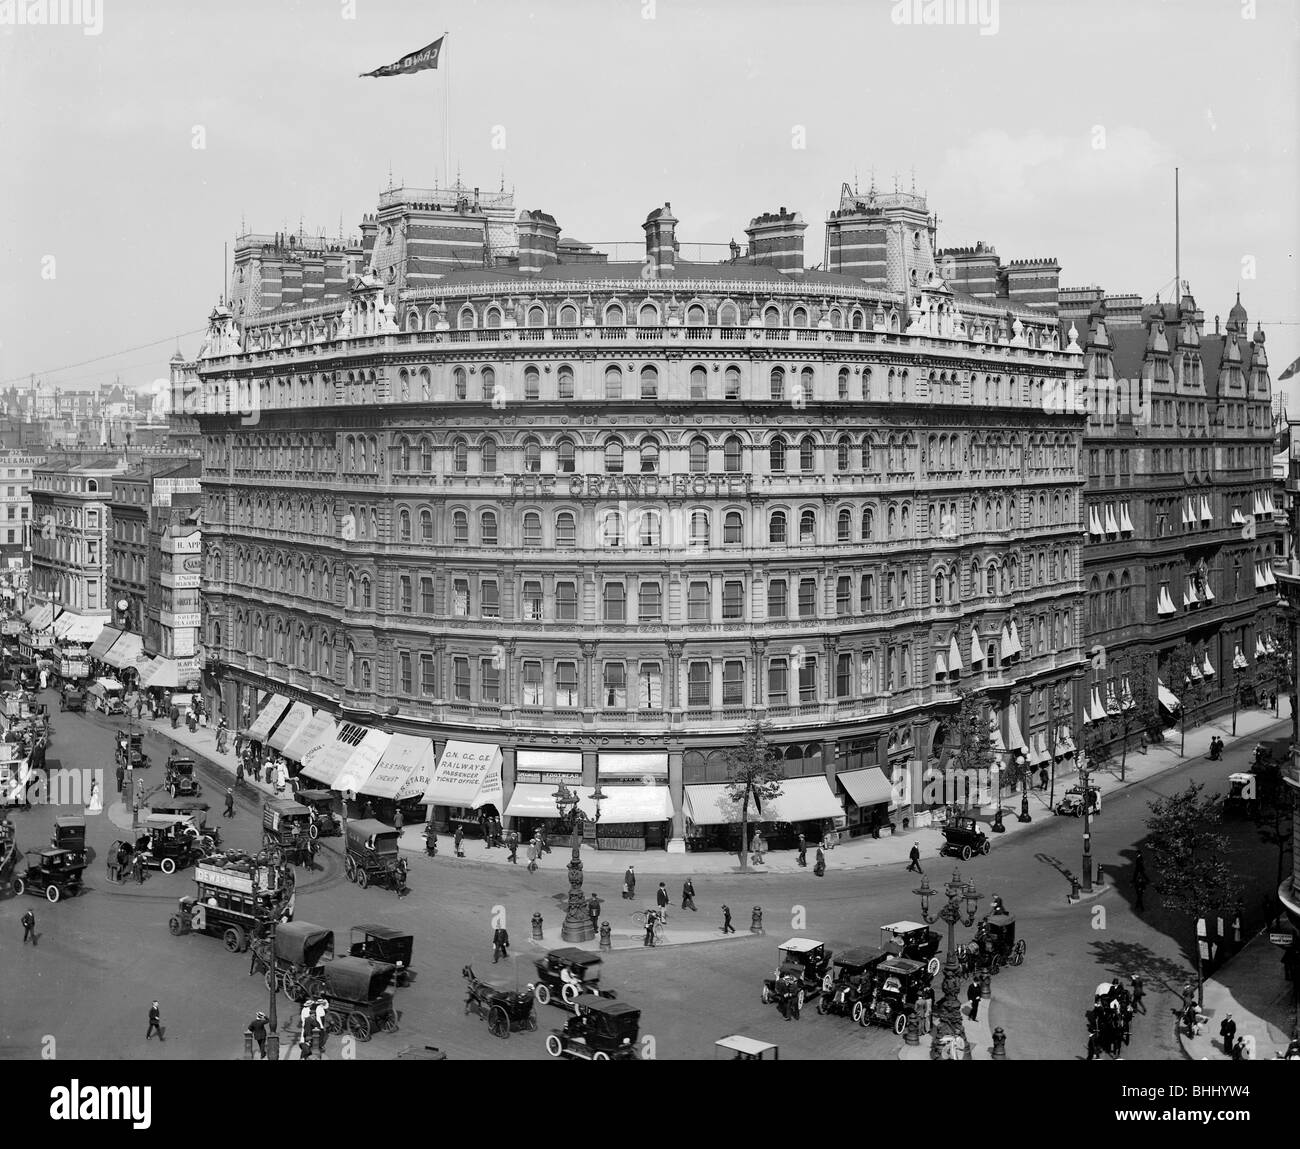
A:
x: 578, y: 926
x: 959, y: 894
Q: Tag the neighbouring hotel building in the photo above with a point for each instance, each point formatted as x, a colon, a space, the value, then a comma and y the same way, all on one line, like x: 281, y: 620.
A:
x: 602, y: 519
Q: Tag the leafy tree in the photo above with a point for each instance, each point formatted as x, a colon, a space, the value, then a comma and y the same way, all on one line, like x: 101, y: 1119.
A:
x: 1192, y: 875
x: 1138, y: 712
x: 1188, y: 686
x: 753, y: 774
x: 1095, y: 744
x: 973, y: 756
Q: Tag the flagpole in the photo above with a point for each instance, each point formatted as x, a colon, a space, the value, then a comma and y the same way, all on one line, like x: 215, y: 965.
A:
x: 446, y: 103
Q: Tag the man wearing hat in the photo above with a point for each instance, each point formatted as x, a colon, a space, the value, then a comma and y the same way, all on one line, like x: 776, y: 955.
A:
x: 257, y: 1027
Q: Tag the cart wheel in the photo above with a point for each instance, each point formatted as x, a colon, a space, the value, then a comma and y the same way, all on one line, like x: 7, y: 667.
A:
x: 390, y: 1023
x: 270, y: 980
x: 363, y: 879
x: 900, y: 1024
x: 865, y: 1019
x: 294, y: 990
x: 766, y: 996
x: 19, y: 886
x: 600, y: 1055
x: 965, y: 853
x: 542, y: 993
x: 498, y: 1023
x: 313, y: 831
x: 995, y: 963
x: 985, y: 846
x: 359, y: 1026
x: 554, y: 1046
x: 174, y: 926
x: 828, y: 981
x: 858, y: 1010
x: 349, y: 869
x: 333, y: 1022
x: 207, y: 843
x: 1018, y: 953
x: 568, y: 993
x: 235, y: 940
x: 52, y: 892
x: 168, y: 865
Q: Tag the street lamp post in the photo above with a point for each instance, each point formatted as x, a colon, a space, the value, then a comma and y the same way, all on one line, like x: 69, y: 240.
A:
x: 577, y: 926
x: 1085, y: 774
x: 948, y: 1022
x: 272, y: 1017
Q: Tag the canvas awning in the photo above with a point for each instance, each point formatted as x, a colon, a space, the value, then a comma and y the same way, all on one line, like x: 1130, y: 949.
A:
x: 940, y: 666
x: 976, y: 650
x: 1189, y: 593
x: 30, y: 614
x: 101, y: 645
x: 1125, y: 522
x: 1112, y: 526
x: 405, y: 768
x: 271, y: 713
x: 1206, y: 593
x: 995, y: 730
x: 1207, y: 667
x: 1094, y: 522
x: 549, y: 761
x: 291, y: 722
x: 633, y: 765
x: 313, y: 736
x: 1238, y: 659
x: 1064, y: 742
x: 358, y: 766
x: 41, y: 619
x: 1038, y: 749
x: 869, y: 787
x: 78, y: 627
x: 1258, y: 505
x: 801, y: 800
x: 125, y: 651
x: 468, y: 775
x: 954, y: 654
x: 162, y: 673
x: 631, y: 803
x: 537, y: 800
x: 1014, y: 634
x: 1237, y: 519
x: 1167, y: 697
x: 1015, y: 740
x: 1207, y: 516
x: 1165, y: 604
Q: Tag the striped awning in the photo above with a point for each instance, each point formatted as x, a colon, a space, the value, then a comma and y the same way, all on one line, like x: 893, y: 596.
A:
x: 101, y: 645
x: 869, y: 787
x: 297, y: 715
x: 272, y: 710
x: 124, y: 651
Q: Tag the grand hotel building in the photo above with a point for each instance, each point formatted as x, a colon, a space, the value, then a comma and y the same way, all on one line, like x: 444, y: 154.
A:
x: 605, y: 515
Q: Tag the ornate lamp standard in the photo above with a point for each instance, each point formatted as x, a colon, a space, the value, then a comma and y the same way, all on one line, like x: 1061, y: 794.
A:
x: 577, y: 921
x: 948, y: 1022
x: 272, y: 1019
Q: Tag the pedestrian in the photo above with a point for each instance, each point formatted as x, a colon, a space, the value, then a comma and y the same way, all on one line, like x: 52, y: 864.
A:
x: 629, y: 884
x: 304, y: 1043
x: 155, y: 1023
x: 914, y: 863
x: 925, y: 1006
x: 1139, y: 992
x: 661, y: 896
x: 239, y: 772
x: 1094, y: 1044
x: 1192, y: 1020
x: 1188, y: 995
x: 593, y: 911
x: 500, y: 940
x: 1042, y: 777
x: 688, y: 895
x: 121, y: 775
x: 230, y: 802
x: 1227, y: 1032
x: 973, y: 995
x: 512, y: 840
x: 650, y: 918
x: 1239, y: 1049
x: 310, y: 852
x: 532, y: 858
x: 398, y: 820
x: 257, y: 1027
x: 457, y: 838
x: 137, y: 867
x: 803, y: 851
x: 1139, y: 887
x: 29, y: 927
x: 820, y: 867
x: 727, y: 927
x: 1139, y: 865
x: 431, y: 838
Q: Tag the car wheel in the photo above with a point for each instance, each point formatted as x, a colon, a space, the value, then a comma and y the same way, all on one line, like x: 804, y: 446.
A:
x: 985, y: 847
x: 569, y: 993
x: 363, y: 879
x: 858, y: 1010
x: 313, y: 831
x: 965, y: 853
x: 52, y: 892
x: 234, y: 940
x: 174, y: 926
x: 828, y: 980
x: 900, y: 1024
x: 168, y: 865
x: 600, y: 1055
x: 932, y: 967
x: 554, y: 1046
x: 865, y: 1019
x: 498, y: 1022
x: 359, y: 1026
x: 19, y: 886
x: 542, y: 993
x: 995, y: 963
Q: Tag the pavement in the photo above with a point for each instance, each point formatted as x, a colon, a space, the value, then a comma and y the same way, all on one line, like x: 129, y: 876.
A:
x: 854, y: 854
x: 1252, y: 987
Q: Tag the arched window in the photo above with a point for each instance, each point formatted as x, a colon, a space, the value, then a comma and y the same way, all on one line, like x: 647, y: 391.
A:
x: 727, y: 315
x: 487, y: 522
x: 844, y: 526
x: 532, y: 529
x: 614, y: 315
x: 940, y: 584
x: 699, y: 455
x: 494, y: 317
x: 460, y: 383
x: 366, y: 596
x: 613, y: 382
x: 807, y: 453
x: 732, y: 454
x: 564, y: 383
x: 537, y: 316
x: 731, y: 383
x: 612, y: 529
x: 426, y: 525
x: 771, y: 316
x: 776, y: 454
x: 700, y: 528
x: 404, y: 453
x: 776, y: 528
x: 647, y: 315
x: 868, y: 524
x: 460, y: 456
x: 488, y: 456
x: 843, y: 453
x: 426, y: 454
x: 532, y: 383
x: 842, y: 383
x: 733, y: 529
x: 778, y: 383
x: 566, y: 533
x: 649, y: 456
x: 460, y: 527
x: 565, y: 456
x: 488, y: 382
x: 807, y: 528
x: 532, y: 455
x: 614, y: 456
x: 404, y: 525
x: 799, y: 317
x: 649, y: 383
x: 568, y: 316
x: 699, y: 383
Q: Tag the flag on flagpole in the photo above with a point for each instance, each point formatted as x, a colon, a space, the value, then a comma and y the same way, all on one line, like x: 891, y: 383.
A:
x: 415, y: 62
x: 1290, y: 371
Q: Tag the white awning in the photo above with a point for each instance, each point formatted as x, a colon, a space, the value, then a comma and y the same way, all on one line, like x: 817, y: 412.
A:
x: 1207, y: 667
x: 312, y: 737
x: 1259, y: 648
x: 995, y: 730
x: 1015, y: 740
x: 1189, y: 593
x: 1269, y: 509
x: 1207, y: 594
x: 1164, y: 604
x: 324, y: 761
x: 162, y: 673
x: 1004, y: 642
x: 79, y: 628
x: 1094, y: 522
x: 633, y: 765
x: 1269, y: 645
x: 1016, y: 648
x: 954, y: 654
x: 1260, y: 581
x: 1238, y: 659
x: 1269, y: 580
x: 1258, y: 505
x: 29, y: 615
x: 41, y: 619
x: 976, y: 650
x: 1193, y: 673
x: 124, y: 651
x: 104, y: 642
x: 361, y: 762
x: 468, y: 774
x: 869, y: 787
x: 63, y: 622
x: 405, y: 768
x: 801, y: 800
x: 940, y: 667
x: 1206, y: 515
x: 1125, y: 523
x: 632, y: 803
x: 549, y: 761
x: 1126, y: 693
x: 536, y: 800
x: 1064, y: 742
x: 1038, y: 749
x: 1187, y: 507
x: 1237, y: 519
x: 297, y: 716
x: 1112, y: 526
x: 272, y: 710
x: 1168, y: 699
x: 1093, y: 710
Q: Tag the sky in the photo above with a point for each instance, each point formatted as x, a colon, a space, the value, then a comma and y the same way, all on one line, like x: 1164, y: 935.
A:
x: 135, y: 143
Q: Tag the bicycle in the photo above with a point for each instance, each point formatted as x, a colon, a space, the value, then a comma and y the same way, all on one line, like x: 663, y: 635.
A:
x: 660, y: 928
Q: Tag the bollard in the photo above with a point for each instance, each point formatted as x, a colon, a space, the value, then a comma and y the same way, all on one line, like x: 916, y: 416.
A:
x: 999, y: 1044
x: 756, y: 920
x: 272, y: 1047
x: 537, y: 927
x: 248, y: 1045
x: 1074, y: 888
x: 986, y: 984
x: 605, y: 941
x: 913, y: 1034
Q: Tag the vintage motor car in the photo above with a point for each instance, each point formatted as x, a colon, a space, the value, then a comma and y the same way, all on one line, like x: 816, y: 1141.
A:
x: 1241, y: 799
x: 325, y: 823
x: 372, y: 855
x: 130, y: 751
x: 1074, y: 801
x: 383, y: 943
x: 566, y: 974
x: 197, y: 812
x: 507, y: 1011
x: 300, y: 952
x: 53, y: 873
x: 853, y: 979
x: 962, y: 837
x: 912, y: 940
x: 171, y: 842
x: 72, y: 700
x: 738, y: 1047
x: 180, y: 780
x: 805, y: 960
x: 359, y: 997
x: 70, y: 834
x: 897, y: 983
x: 599, y: 1030
x: 107, y: 696
x: 286, y: 830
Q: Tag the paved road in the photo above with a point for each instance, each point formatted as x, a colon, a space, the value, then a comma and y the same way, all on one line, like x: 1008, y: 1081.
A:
x: 104, y: 956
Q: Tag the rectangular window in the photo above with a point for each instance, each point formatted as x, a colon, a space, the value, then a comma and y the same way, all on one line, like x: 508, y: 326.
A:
x: 808, y: 680
x: 615, y: 602
x: 904, y: 661
x: 460, y: 598
x: 776, y: 598
x: 697, y: 602
x: 649, y: 385
x: 490, y: 677
x: 566, y: 684
x: 533, y: 602
x: 404, y: 672
x: 566, y: 601
x: 461, y: 666
x: 615, y: 691
x: 428, y: 674
x: 843, y: 595
x: 532, y: 385
x: 532, y: 683
x: 404, y: 593
x: 776, y: 682
x: 650, y: 602
x: 651, y: 685
x: 733, y: 599
x: 699, y: 684
x: 843, y: 676
x: 733, y: 683
x: 808, y: 598
x: 565, y: 531
x: 489, y: 599
x: 426, y: 596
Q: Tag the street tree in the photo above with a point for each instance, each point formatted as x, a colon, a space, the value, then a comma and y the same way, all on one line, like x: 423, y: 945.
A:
x: 753, y: 776
x: 1138, y: 712
x: 1192, y: 873
x: 1186, y: 681
x: 1095, y: 744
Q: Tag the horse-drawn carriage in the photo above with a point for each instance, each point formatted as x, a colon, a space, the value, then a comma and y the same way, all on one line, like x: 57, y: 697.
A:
x: 286, y: 831
x: 300, y: 951
x: 383, y: 943
x: 507, y: 1011
x: 1111, y: 1016
x: 994, y: 945
x: 359, y: 997
x: 372, y: 855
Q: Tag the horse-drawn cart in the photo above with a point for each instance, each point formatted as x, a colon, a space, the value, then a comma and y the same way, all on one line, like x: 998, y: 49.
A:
x: 506, y: 1011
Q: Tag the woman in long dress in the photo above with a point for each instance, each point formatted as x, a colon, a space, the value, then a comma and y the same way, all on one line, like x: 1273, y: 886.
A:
x: 96, y: 804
